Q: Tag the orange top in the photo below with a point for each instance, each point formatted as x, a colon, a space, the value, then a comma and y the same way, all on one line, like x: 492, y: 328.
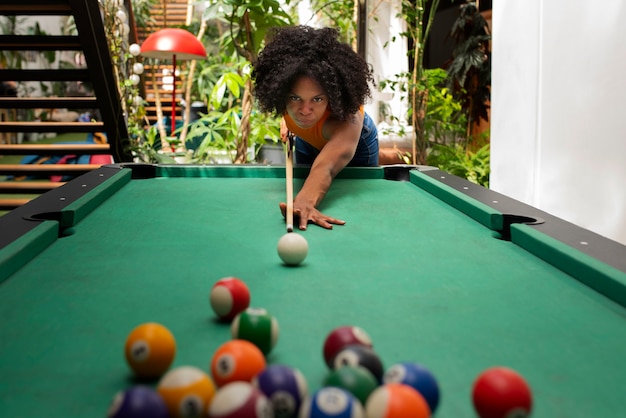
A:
x: 312, y: 135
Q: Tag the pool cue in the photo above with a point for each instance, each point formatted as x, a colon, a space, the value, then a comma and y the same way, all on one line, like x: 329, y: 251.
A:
x: 289, y: 178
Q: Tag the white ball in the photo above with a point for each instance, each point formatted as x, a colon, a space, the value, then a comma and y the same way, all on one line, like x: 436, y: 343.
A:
x: 292, y: 248
x: 134, y: 49
x: 138, y: 68
x: 121, y: 15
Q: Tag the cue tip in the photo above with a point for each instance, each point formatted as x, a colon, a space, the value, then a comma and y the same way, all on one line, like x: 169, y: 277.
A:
x: 289, y: 228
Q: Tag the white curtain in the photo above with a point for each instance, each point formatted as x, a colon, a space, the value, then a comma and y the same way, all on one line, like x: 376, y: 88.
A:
x: 558, y: 121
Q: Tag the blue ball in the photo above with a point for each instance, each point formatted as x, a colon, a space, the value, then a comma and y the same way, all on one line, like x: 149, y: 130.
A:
x: 418, y: 377
x: 284, y: 386
x: 332, y: 402
x: 138, y: 402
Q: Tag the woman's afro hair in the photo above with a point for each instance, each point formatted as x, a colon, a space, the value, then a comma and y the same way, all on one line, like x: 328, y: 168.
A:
x: 296, y: 51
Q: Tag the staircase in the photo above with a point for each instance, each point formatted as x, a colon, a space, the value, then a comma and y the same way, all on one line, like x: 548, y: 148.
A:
x: 105, y: 101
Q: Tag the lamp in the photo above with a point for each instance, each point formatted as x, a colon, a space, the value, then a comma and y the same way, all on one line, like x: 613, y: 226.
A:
x: 176, y: 44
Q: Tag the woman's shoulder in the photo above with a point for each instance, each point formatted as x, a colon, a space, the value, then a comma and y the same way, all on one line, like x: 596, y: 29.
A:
x: 332, y: 123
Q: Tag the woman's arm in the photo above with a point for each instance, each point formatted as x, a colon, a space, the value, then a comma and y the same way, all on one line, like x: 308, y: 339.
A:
x: 336, y: 154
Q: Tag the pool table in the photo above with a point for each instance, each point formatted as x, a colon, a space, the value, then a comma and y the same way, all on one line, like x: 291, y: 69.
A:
x: 435, y: 269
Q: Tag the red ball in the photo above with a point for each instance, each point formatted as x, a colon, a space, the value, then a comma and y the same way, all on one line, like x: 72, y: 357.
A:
x: 500, y: 392
x: 229, y: 297
x: 342, y: 336
x: 239, y: 400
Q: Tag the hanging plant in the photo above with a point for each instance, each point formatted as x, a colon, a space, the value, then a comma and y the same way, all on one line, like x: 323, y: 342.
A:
x: 469, y: 74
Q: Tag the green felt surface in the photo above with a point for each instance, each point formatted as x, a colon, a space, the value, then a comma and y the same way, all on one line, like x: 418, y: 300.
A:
x: 428, y: 283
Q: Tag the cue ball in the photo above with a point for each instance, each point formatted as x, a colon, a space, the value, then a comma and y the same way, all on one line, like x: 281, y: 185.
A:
x: 292, y: 248
x: 138, y: 402
x: 332, y: 402
x: 500, y: 392
x: 150, y: 349
x: 396, y: 400
x: 236, y: 360
x: 229, y: 297
x: 240, y: 400
x: 340, y: 337
x: 187, y: 391
x: 418, y: 377
x: 257, y: 326
x: 284, y: 386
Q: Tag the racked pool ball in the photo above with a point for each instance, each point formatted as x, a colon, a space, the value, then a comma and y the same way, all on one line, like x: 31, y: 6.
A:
x: 342, y: 336
x: 331, y: 402
x: 284, y: 386
x: 360, y: 355
x: 355, y: 379
x: 236, y: 360
x: 229, y: 297
x: 396, y: 400
x: 500, y: 392
x: 240, y: 400
x: 257, y: 326
x: 187, y: 391
x: 418, y: 377
x: 138, y: 402
x: 150, y: 349
x: 292, y: 248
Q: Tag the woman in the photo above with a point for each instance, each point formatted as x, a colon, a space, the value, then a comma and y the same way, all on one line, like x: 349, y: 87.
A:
x: 319, y: 85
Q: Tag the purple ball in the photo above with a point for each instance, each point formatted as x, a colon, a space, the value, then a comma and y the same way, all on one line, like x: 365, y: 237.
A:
x: 284, y: 386
x: 138, y: 402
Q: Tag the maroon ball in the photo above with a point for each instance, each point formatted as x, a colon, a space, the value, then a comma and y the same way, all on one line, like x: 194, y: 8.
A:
x: 341, y: 337
x: 239, y: 400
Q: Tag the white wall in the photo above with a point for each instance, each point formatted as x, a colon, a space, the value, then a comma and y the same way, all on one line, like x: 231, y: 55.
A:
x: 558, y: 121
x: 386, y: 55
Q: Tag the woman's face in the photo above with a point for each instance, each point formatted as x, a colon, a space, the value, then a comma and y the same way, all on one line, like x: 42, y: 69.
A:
x: 306, y: 102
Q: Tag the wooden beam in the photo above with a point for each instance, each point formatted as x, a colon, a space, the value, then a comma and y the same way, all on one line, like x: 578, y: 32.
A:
x: 26, y: 187
x: 36, y: 8
x: 51, y: 127
x: 54, y: 149
x: 72, y: 74
x: 80, y: 102
x: 39, y: 43
x: 9, y: 204
x: 46, y: 169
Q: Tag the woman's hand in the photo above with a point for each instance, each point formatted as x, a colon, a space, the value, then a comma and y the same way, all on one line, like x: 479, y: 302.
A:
x: 284, y: 131
x: 304, y: 213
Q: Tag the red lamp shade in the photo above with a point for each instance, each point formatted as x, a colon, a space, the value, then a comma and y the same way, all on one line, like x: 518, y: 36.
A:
x: 165, y: 43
